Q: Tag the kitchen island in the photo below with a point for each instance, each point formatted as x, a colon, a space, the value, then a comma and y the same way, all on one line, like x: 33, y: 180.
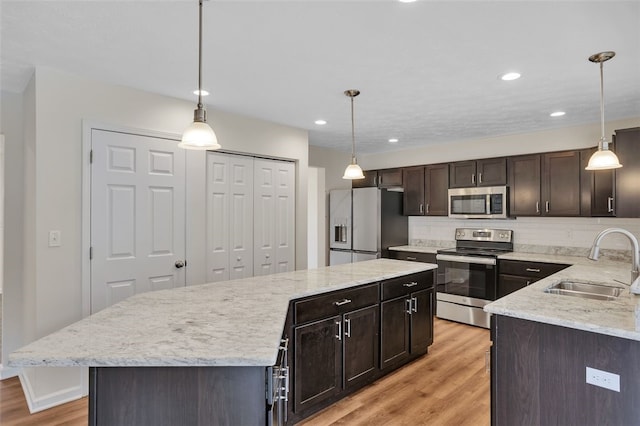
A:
x: 201, y: 354
x: 546, y: 347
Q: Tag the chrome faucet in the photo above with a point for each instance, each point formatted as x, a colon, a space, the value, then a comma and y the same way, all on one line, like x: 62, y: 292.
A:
x: 635, y: 254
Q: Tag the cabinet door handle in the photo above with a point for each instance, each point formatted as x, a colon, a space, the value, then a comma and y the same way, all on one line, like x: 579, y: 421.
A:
x: 537, y: 206
x: 479, y: 177
x: 610, y: 204
x: 427, y: 208
x: 528, y: 282
x: 339, y: 334
x: 375, y: 181
x: 421, y: 208
x: 411, y: 258
x: 473, y: 178
x: 342, y: 302
x: 546, y: 206
x: 407, y: 304
x: 532, y: 270
x: 347, y: 328
x: 411, y: 284
x: 414, y: 302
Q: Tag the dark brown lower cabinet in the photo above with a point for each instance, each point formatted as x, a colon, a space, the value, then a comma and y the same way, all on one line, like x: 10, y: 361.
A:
x: 334, y: 354
x: 538, y: 375
x: 318, y: 354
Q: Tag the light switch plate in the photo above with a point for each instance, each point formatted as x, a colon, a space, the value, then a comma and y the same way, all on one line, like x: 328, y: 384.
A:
x: 55, y: 238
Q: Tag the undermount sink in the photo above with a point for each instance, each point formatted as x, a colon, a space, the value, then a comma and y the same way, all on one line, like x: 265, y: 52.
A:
x: 585, y: 290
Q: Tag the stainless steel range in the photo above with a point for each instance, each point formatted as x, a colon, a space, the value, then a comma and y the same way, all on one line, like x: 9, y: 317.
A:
x: 468, y: 274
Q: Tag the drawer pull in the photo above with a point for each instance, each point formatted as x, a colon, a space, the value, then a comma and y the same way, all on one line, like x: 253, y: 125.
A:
x: 411, y: 284
x: 532, y: 270
x: 411, y: 258
x: 342, y: 302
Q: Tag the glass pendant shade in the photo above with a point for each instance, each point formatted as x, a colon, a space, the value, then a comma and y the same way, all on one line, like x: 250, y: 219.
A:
x: 603, y: 159
x: 353, y: 171
x: 199, y: 135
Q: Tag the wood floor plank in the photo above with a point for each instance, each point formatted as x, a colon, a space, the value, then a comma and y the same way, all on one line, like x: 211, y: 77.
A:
x: 448, y: 386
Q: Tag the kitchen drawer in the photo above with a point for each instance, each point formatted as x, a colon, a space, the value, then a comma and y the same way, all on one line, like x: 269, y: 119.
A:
x: 413, y: 256
x: 400, y: 286
x: 537, y: 270
x: 335, y: 303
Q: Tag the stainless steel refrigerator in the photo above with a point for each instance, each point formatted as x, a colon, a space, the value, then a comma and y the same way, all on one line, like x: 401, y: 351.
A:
x: 364, y: 223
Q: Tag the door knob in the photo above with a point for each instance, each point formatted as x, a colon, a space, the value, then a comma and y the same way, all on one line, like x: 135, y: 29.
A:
x: 180, y: 264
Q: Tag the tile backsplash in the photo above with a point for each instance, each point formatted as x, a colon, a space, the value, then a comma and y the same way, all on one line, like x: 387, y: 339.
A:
x: 573, y: 233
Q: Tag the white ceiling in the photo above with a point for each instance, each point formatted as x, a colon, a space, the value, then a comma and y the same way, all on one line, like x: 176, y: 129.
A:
x: 428, y: 71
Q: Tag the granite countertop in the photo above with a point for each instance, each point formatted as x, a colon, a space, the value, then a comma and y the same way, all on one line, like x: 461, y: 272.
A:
x: 230, y: 323
x: 618, y: 317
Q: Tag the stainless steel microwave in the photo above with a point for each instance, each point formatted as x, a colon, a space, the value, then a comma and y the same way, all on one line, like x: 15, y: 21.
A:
x: 490, y: 202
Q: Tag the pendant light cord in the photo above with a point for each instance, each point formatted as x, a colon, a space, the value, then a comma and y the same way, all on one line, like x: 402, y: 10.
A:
x: 353, y: 136
x: 200, y: 57
x: 602, y: 101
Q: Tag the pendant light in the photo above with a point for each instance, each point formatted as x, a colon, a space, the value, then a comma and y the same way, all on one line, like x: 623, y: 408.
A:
x: 353, y: 171
x: 603, y: 158
x: 199, y: 135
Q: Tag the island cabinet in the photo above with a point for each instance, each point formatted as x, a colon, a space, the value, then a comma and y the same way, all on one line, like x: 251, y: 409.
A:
x: 406, y: 318
x: 538, y: 375
x: 545, y: 184
x: 336, y: 344
x: 346, y: 339
x: 485, y: 172
x: 516, y: 274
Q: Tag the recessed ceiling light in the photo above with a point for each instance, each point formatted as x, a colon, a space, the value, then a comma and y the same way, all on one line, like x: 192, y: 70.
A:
x: 204, y: 92
x: 320, y: 122
x: 557, y: 114
x: 407, y: 1
x: 393, y: 140
x: 510, y: 76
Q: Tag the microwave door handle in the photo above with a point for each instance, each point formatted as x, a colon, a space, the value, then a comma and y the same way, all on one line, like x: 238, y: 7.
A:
x: 488, y: 209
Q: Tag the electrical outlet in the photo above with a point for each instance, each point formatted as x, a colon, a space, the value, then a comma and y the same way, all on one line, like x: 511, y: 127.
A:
x: 604, y: 379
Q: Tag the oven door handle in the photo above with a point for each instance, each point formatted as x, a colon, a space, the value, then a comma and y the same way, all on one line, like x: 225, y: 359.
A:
x: 466, y: 259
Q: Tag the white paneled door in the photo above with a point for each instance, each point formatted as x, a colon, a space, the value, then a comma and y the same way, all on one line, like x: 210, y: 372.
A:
x: 274, y: 216
x: 229, y: 216
x: 137, y: 216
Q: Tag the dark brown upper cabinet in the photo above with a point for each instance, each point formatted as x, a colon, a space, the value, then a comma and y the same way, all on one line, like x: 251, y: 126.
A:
x: 545, y: 184
x: 413, y: 199
x: 390, y: 178
x: 485, y: 172
x: 370, y: 179
x: 597, y: 188
x: 425, y: 190
x: 561, y: 183
x: 627, y: 147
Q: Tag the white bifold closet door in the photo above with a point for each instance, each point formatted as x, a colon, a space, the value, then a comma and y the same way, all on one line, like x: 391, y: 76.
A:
x: 274, y: 216
x: 229, y: 216
x: 250, y: 216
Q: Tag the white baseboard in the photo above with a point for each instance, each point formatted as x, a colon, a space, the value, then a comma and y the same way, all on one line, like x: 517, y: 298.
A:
x: 8, y: 372
x: 53, y: 399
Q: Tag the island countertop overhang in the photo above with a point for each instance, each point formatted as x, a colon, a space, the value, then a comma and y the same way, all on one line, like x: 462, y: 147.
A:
x: 231, y: 323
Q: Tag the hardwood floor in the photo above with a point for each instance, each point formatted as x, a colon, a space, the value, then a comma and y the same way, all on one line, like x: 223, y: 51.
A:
x: 449, y: 386
x: 14, y: 410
